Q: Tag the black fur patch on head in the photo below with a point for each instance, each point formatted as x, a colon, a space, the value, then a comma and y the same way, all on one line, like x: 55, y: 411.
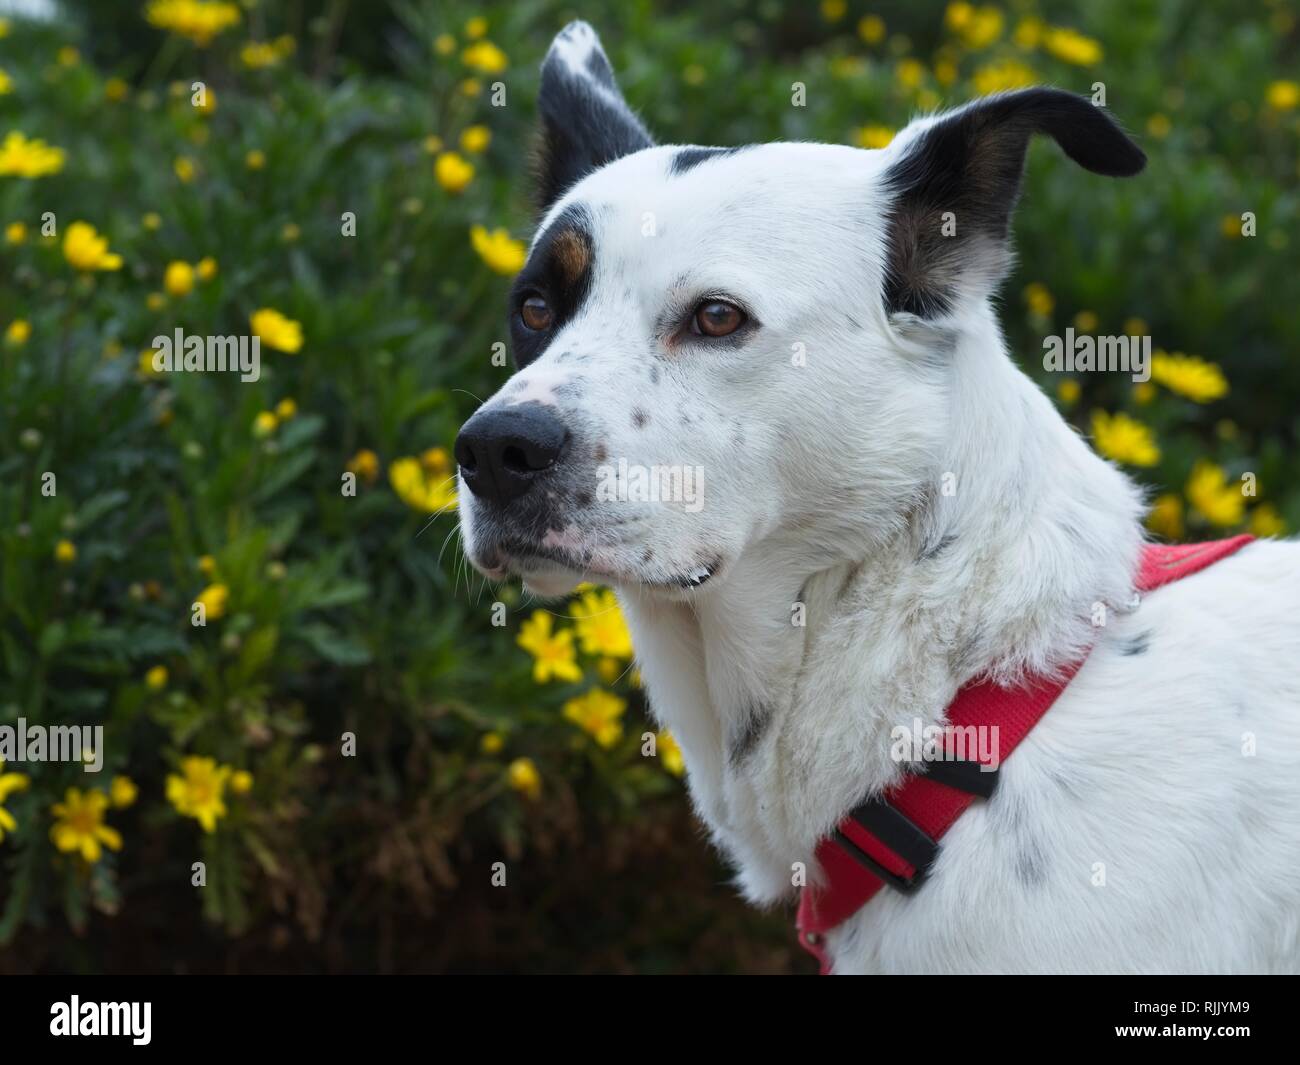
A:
x: 585, y: 122
x: 559, y: 270
x: 689, y: 158
x: 956, y: 185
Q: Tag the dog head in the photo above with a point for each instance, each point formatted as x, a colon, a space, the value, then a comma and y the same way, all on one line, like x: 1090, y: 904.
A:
x: 718, y: 346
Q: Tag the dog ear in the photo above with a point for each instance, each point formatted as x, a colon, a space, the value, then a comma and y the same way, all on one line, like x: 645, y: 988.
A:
x: 957, y: 179
x: 585, y: 122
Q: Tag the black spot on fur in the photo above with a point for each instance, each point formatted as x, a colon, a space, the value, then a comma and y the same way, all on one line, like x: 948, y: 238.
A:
x: 654, y: 375
x: 1139, y: 645
x: 585, y: 122
x: 753, y: 724
x: 1031, y: 865
x: 640, y: 418
x: 689, y: 158
x: 933, y: 551
x: 971, y: 164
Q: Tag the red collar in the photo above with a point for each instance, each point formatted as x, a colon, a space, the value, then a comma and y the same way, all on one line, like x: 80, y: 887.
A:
x: 894, y: 837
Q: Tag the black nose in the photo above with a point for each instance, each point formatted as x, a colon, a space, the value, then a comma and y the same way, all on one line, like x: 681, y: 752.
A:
x: 502, y: 451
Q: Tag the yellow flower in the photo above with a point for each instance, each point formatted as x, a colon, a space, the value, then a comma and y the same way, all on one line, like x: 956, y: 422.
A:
x: 155, y: 301
x: 122, y: 792
x: 365, y: 464
x: 199, y: 791
x: 79, y: 825
x: 1266, y: 521
x: 498, y: 249
x: 18, y: 332
x: 1119, y: 437
x: 290, y: 232
x: 491, y: 743
x: 67, y: 56
x: 85, y: 249
x: 20, y: 157
x: 206, y: 268
x: 453, y: 171
x: 65, y: 552
x: 1072, y: 47
x: 151, y: 221
x: 834, y: 10
x: 475, y: 139
x: 209, y: 101
x: 1029, y: 32
x: 670, y: 754
x: 178, y: 278
x: 554, y: 656
x: 433, y: 144
x: 1210, y: 493
x: 871, y: 28
x: 184, y: 169
x: 1189, y: 376
x: 470, y: 87
x: 1038, y: 299
x: 873, y: 136
x: 600, y: 625
x: 265, y: 424
x: 207, y: 565
x: 978, y: 27
x: 1002, y: 75
x: 523, y: 776
x: 1159, y: 126
x: 427, y: 486
x: 1144, y: 392
x: 286, y: 409
x: 444, y: 44
x: 15, y: 233
x: 476, y: 27
x: 9, y: 783
x: 241, y: 781
x: 156, y: 678
x: 1230, y: 226
x: 1282, y: 95
x: 599, y: 714
x: 910, y: 73
x: 276, y: 331
x: 1136, y: 327
x: 485, y: 57
x: 255, y: 159
x: 197, y: 20
x: 116, y: 90
x: 1086, y: 321
x: 259, y: 55
x: 1166, y: 517
x: 1068, y: 391
x: 214, y: 599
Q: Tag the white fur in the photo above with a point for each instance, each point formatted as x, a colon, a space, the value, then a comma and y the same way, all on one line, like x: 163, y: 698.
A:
x: 824, y: 487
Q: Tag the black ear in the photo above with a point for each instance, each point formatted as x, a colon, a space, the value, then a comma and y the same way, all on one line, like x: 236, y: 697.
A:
x: 585, y: 122
x: 958, y: 178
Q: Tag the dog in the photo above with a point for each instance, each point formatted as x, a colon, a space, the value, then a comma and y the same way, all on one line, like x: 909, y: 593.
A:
x: 885, y: 509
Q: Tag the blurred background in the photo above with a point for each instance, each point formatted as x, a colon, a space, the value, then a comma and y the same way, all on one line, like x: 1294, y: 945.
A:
x: 359, y: 731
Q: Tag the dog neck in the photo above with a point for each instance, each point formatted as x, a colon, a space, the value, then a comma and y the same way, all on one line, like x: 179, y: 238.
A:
x: 784, y: 682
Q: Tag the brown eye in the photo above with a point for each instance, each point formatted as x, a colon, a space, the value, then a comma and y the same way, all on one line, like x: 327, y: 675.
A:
x: 535, y: 313
x: 717, y: 319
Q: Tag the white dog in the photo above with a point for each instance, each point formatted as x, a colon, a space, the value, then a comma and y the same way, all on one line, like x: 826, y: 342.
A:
x: 763, y: 394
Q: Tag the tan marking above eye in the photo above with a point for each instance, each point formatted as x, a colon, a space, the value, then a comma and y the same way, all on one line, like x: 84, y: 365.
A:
x: 535, y: 313
x: 717, y: 318
x: 572, y: 254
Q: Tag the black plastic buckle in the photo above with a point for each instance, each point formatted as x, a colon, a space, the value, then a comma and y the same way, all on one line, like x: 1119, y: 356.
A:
x: 901, y: 835
x: 897, y: 832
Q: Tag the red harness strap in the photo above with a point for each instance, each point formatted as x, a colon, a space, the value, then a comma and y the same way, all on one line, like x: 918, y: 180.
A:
x: 894, y: 837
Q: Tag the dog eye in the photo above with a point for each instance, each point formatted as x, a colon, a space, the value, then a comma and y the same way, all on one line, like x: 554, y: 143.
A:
x: 717, y: 318
x: 535, y: 314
